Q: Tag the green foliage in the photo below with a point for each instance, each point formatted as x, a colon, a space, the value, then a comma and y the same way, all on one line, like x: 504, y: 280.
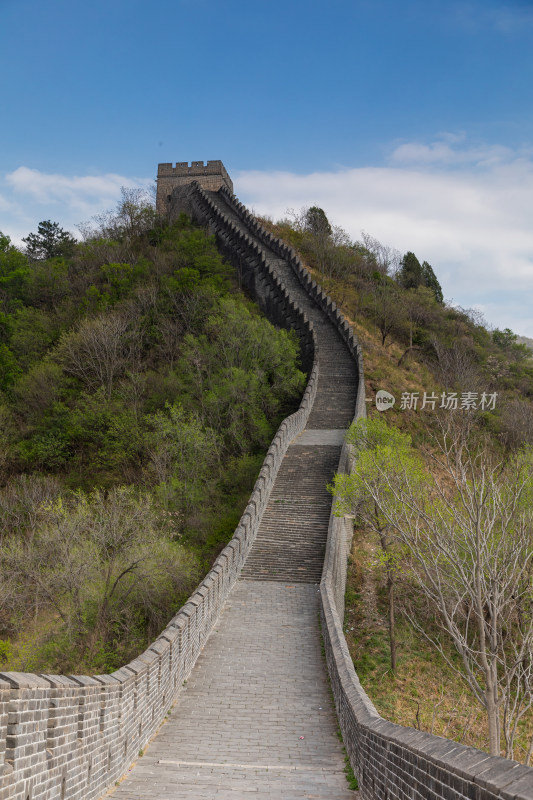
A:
x: 353, y: 783
x: 182, y: 453
x: 429, y: 279
x: 132, y: 221
x: 47, y: 450
x: 9, y: 369
x: 6, y: 327
x: 316, y: 222
x: 504, y: 339
x: 33, y: 332
x: 373, y: 433
x: 384, y: 454
x: 120, y: 278
x: 105, y: 564
x: 451, y: 345
x: 239, y: 375
x: 464, y: 523
x: 507, y: 341
x: 411, y: 273
x: 37, y: 390
x: 50, y: 241
x: 48, y: 285
x: 6, y: 650
x: 139, y: 390
x: 198, y: 252
x: 14, y: 270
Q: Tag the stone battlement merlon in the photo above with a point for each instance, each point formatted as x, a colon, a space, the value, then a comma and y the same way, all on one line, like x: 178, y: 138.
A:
x: 211, y: 175
x: 195, y: 168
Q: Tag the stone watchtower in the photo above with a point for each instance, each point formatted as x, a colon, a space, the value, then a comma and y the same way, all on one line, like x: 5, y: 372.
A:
x: 211, y: 176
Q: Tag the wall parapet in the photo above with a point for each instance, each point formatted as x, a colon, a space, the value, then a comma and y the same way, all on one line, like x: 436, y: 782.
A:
x: 212, y: 175
x: 389, y: 760
x: 328, y: 306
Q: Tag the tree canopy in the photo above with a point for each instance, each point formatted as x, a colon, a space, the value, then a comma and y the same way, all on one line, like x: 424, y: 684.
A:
x: 316, y: 222
x: 413, y: 274
x: 139, y: 390
x: 464, y: 521
x: 50, y: 241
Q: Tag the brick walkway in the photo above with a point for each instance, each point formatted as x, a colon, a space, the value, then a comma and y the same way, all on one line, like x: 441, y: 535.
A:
x: 258, y: 686
x: 260, y: 683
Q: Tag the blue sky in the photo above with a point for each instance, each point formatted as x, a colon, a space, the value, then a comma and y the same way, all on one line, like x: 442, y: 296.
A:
x: 412, y: 121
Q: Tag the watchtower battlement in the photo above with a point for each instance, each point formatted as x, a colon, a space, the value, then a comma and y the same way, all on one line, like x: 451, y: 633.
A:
x: 211, y: 176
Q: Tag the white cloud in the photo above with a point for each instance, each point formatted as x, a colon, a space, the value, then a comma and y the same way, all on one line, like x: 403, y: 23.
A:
x: 30, y: 196
x: 80, y: 192
x: 442, y: 152
x: 465, y: 208
x: 471, y: 221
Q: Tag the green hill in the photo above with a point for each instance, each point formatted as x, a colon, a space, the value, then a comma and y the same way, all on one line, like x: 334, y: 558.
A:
x: 139, y: 392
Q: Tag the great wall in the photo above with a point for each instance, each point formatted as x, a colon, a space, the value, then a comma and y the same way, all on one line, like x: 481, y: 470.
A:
x: 240, y: 666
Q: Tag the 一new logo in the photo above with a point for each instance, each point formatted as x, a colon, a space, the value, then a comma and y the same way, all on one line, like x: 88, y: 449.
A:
x: 384, y: 400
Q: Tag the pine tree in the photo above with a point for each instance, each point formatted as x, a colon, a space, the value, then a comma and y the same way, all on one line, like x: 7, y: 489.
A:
x: 430, y: 280
x: 410, y: 274
x: 317, y: 223
x: 49, y: 241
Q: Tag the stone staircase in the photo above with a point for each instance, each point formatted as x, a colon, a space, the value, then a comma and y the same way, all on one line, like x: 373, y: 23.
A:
x: 255, y: 717
x: 291, y: 540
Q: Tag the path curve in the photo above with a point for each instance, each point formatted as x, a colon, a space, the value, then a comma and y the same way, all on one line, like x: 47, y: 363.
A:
x: 256, y: 718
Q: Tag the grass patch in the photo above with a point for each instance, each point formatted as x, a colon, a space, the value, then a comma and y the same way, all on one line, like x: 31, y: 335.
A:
x: 350, y: 775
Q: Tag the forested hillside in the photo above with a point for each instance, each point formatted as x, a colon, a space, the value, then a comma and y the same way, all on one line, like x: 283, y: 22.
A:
x: 438, y: 603
x: 139, y: 391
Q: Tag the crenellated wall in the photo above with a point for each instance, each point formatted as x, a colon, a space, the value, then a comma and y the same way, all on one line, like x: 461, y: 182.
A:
x: 74, y: 736
x: 212, y: 176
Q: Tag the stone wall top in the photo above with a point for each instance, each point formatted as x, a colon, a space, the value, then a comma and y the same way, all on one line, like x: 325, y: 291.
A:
x: 195, y: 168
x: 211, y: 176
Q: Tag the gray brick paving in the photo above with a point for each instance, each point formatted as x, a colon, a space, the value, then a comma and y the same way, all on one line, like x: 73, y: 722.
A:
x: 333, y: 437
x: 258, y: 686
x: 260, y: 683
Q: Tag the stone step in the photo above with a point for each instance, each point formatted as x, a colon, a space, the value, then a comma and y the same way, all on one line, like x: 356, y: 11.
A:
x: 337, y: 389
x: 291, y: 540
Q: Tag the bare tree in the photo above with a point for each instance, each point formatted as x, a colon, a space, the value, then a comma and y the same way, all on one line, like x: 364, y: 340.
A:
x: 97, y: 352
x: 22, y: 503
x: 116, y: 232
x: 353, y: 498
x: 387, y: 258
x: 386, y: 305
x: 329, y: 245
x: 517, y: 420
x: 466, y: 522
x: 419, y: 305
x: 98, y: 560
x: 456, y: 366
